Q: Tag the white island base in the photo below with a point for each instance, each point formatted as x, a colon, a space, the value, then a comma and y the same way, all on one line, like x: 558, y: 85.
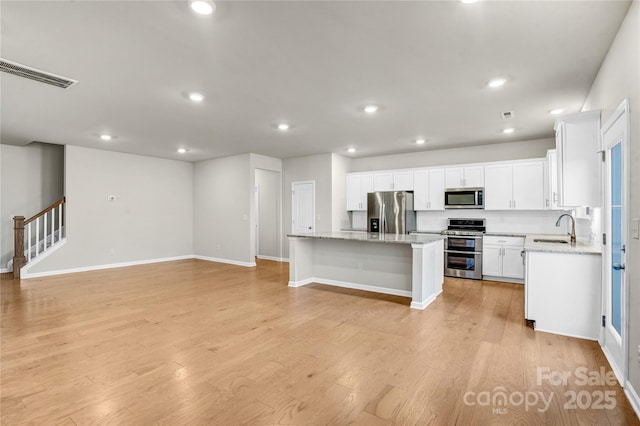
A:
x: 401, y: 265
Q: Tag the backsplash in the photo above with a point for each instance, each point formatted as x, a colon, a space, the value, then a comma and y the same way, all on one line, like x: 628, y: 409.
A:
x: 526, y: 222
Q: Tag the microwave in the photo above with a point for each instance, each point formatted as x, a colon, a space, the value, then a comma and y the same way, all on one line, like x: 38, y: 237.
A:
x: 464, y: 198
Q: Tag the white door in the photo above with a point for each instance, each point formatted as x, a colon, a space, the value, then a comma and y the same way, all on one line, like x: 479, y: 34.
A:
x: 528, y: 186
x: 303, y: 207
x: 498, y: 188
x: 615, y: 139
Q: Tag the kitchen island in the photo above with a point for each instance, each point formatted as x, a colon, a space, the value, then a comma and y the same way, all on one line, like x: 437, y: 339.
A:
x: 402, y: 265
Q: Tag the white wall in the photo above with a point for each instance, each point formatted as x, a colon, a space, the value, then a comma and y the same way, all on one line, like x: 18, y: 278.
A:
x: 151, y: 217
x: 340, y: 166
x: 619, y: 78
x: 31, y: 179
x: 269, y: 237
x: 222, y: 209
x: 314, y: 167
x: 474, y: 154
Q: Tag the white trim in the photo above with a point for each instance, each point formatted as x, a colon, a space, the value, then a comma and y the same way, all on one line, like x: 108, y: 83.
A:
x: 423, y: 305
x: 577, y: 336
x: 5, y: 270
x: 24, y: 272
x: 614, y: 366
x: 354, y: 286
x: 633, y: 398
x: 27, y: 275
x: 229, y: 261
x: 276, y: 259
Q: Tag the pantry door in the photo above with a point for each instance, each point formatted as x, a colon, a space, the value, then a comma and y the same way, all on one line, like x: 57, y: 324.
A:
x: 615, y: 140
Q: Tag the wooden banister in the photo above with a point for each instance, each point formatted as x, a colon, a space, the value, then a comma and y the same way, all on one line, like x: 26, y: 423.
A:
x: 18, y: 246
x: 51, y: 207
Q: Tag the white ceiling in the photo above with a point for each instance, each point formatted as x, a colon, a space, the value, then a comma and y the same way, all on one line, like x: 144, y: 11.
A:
x: 312, y: 64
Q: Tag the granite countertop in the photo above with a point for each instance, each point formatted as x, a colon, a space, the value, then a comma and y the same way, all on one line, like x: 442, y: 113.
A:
x: 578, y: 248
x: 504, y: 234
x: 354, y: 230
x: 372, y: 237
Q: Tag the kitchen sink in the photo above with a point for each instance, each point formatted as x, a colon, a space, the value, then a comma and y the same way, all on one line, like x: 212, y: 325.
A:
x: 544, y: 240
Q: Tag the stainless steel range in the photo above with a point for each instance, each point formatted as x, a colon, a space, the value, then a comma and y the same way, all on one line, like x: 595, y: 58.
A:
x: 463, y: 248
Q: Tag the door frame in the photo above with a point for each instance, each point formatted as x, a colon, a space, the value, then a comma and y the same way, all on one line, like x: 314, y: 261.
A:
x: 293, y: 202
x: 622, y: 112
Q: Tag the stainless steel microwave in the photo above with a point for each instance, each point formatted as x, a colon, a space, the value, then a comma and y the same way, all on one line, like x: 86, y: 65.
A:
x: 464, y: 198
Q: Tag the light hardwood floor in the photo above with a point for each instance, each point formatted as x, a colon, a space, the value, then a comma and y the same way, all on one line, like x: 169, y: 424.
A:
x: 194, y: 342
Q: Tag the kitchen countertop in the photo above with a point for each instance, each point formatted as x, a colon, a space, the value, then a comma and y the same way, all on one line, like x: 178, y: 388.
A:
x: 504, y: 234
x: 371, y: 237
x: 425, y: 232
x: 578, y: 248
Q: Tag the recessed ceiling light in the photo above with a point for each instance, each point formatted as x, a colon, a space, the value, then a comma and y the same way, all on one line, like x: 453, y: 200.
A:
x: 203, y: 7
x: 468, y: 1
x: 182, y: 150
x: 106, y: 137
x: 508, y: 130
x: 371, y: 109
x: 496, y: 82
x: 351, y: 150
x: 420, y: 141
x: 556, y: 111
x: 283, y: 126
x: 196, y: 97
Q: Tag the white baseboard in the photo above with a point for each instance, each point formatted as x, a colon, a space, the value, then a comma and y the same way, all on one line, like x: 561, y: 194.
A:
x: 5, y: 270
x: 567, y: 334
x: 28, y: 275
x: 275, y: 259
x: 229, y: 261
x: 354, y: 286
x: 423, y: 305
x: 614, y: 366
x: 633, y: 398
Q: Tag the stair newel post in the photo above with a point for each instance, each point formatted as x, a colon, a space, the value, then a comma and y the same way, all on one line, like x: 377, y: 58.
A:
x: 18, y: 246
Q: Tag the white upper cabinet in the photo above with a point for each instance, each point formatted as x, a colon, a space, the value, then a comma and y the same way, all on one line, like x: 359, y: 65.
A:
x: 551, y: 181
x: 579, y: 159
x: 514, y: 186
x: 464, y: 177
x: 428, y: 189
x: 498, y: 189
x: 403, y: 181
x: 528, y: 185
x: 358, y: 185
x: 383, y: 181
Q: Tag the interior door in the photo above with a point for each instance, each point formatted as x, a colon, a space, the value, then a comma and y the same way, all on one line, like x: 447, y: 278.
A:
x: 615, y: 142
x: 303, y: 207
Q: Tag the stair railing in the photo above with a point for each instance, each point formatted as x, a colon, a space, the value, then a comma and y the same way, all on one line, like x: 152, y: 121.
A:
x: 38, y: 238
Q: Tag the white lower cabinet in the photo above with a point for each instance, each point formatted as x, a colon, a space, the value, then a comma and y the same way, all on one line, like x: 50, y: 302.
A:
x: 502, y: 258
x: 563, y: 293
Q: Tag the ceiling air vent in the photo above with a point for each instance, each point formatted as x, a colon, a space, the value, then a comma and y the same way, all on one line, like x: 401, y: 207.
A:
x: 35, y: 74
x: 507, y: 115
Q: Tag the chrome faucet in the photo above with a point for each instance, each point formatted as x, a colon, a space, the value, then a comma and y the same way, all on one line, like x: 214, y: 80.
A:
x: 573, y: 226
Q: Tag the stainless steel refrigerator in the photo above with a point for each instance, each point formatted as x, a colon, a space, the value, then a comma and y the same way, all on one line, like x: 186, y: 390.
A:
x: 391, y: 212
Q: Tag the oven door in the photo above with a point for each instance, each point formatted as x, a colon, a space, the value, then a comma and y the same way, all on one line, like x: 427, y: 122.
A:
x: 463, y: 257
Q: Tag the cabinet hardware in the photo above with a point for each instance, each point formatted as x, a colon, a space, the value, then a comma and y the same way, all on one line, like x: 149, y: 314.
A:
x: 547, y: 202
x: 604, y: 320
x: 624, y: 248
x: 514, y: 204
x: 604, y: 239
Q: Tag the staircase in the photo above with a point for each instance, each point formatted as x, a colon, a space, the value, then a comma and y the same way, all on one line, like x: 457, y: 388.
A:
x: 33, y: 237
